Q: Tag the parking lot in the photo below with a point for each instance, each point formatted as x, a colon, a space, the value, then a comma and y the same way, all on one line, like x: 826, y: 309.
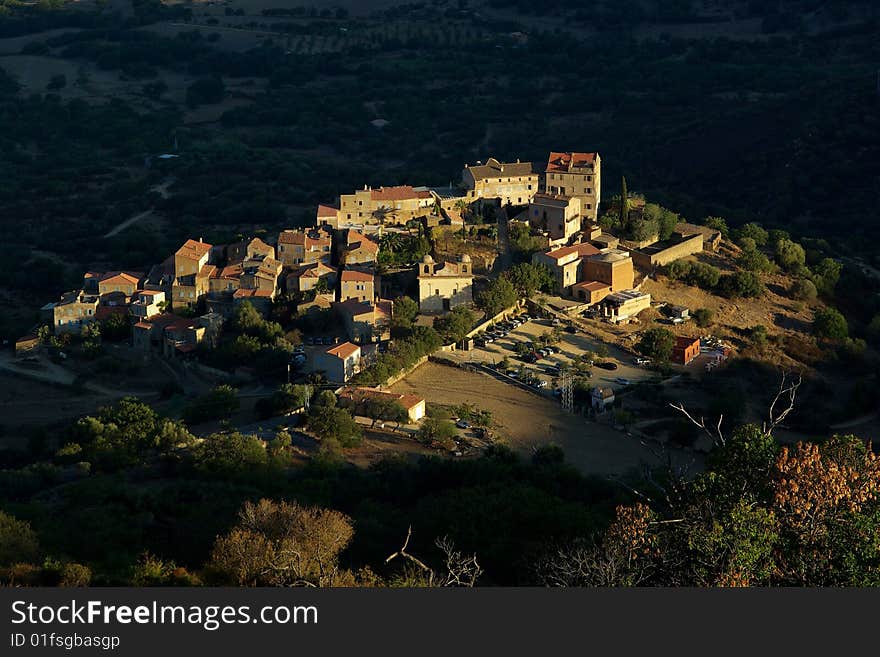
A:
x: 570, y: 348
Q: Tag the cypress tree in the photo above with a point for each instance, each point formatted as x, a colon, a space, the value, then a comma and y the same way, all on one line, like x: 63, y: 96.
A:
x: 624, y: 202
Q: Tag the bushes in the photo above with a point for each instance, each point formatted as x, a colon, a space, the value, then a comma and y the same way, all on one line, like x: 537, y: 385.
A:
x: 454, y: 326
x: 741, y: 284
x: 703, y: 317
x: 218, y: 404
x: 830, y: 324
x: 403, y: 354
x: 789, y: 255
x: 205, y: 91
x: 803, y: 290
x: 694, y: 273
x: 657, y: 343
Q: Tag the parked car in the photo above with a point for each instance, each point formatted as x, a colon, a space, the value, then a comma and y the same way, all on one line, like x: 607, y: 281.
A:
x: 544, y: 352
x: 310, y: 340
x: 554, y: 349
x: 539, y: 383
x: 530, y: 358
x: 463, y: 424
x: 480, y: 342
x: 607, y: 365
x: 641, y: 361
x: 556, y: 321
x: 512, y: 374
x: 622, y: 381
x: 571, y: 328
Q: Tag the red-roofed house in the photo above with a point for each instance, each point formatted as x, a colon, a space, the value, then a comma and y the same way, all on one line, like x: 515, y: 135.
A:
x: 575, y: 174
x: 301, y: 247
x: 191, y: 273
x: 359, y: 249
x: 357, y: 399
x: 366, y: 321
x: 308, y: 277
x: 358, y: 285
x: 388, y: 205
x: 120, y: 281
x: 146, y: 303
x: 339, y: 363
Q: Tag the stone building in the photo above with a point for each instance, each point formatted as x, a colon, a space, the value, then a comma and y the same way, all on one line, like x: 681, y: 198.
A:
x: 557, y: 214
x: 575, y: 174
x: 304, y: 247
x: 357, y: 285
x: 513, y: 183
x: 623, y: 305
x: 445, y: 286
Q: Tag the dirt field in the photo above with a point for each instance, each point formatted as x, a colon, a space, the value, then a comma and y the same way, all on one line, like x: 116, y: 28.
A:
x: 527, y: 421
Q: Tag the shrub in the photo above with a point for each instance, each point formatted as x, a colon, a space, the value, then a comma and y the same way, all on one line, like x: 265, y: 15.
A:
x: 830, y: 324
x: 703, y: 317
x: 803, y: 290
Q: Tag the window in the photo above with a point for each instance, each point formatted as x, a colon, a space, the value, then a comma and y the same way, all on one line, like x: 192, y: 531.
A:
x: 437, y: 292
x: 530, y: 187
x: 589, y: 206
x: 589, y: 190
x: 589, y: 178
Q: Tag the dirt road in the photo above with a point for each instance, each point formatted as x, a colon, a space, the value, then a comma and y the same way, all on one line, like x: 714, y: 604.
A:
x: 528, y: 421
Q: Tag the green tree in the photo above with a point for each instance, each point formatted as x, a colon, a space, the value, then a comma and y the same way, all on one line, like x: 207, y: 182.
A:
x: 18, y: 542
x: 657, y: 343
x: 500, y: 294
x: 830, y: 324
x: 405, y: 310
x: 789, y: 255
x: 754, y: 232
x: 719, y: 224
x: 703, y: 317
x: 437, y: 432
x: 219, y: 403
x: 453, y: 326
x: 803, y: 290
x: 527, y: 279
x: 624, y: 202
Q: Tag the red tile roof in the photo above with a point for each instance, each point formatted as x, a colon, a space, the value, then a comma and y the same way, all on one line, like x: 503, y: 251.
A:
x: 120, y: 277
x: 193, y: 249
x: 351, y: 275
x: 344, y: 350
x: 561, y: 161
x: 398, y: 193
x: 326, y: 211
x: 583, y: 250
x: 241, y: 294
x: 359, y: 394
x: 592, y: 286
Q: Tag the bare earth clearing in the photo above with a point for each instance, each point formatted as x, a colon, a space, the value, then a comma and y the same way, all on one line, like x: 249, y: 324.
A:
x: 527, y: 421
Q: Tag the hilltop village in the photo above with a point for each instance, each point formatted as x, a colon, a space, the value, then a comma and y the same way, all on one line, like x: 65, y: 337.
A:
x: 521, y: 276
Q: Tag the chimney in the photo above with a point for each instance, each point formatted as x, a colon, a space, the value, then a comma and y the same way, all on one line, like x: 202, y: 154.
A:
x: 201, y: 240
x: 517, y: 160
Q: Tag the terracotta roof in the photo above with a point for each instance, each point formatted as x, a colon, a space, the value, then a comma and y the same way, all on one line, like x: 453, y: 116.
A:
x: 103, y: 312
x: 398, y: 193
x: 230, y: 271
x: 495, y: 169
x: 683, y: 342
x: 360, y: 394
x: 355, y: 307
x: 186, y: 347
x: 562, y: 161
x: 207, y: 271
x: 593, y: 286
x: 120, y: 276
x: 583, y: 250
x: 350, y: 275
x: 193, y: 249
x: 149, y: 293
x: 344, y: 350
x: 164, y: 321
x: 326, y: 211
x: 240, y: 294
x: 315, y: 271
x: 354, y: 239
